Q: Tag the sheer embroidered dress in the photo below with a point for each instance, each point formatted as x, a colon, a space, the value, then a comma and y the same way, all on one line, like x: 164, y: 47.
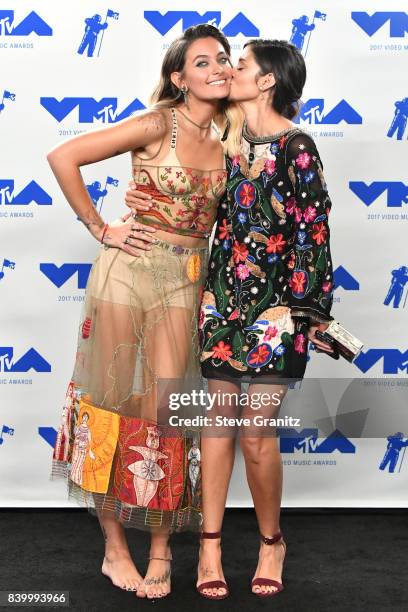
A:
x: 138, y: 328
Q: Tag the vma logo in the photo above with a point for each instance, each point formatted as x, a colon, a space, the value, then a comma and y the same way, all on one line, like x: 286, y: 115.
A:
x: 31, y: 360
x: 32, y: 24
x: 90, y: 110
x: 31, y: 193
x: 372, y: 23
x: 59, y: 275
x: 313, y: 111
x: 307, y: 441
x: 397, y: 192
x: 343, y: 278
x: 240, y: 24
x: 394, y: 361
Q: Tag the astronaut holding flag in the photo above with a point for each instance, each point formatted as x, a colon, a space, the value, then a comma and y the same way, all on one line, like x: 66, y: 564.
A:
x: 93, y: 26
x: 6, y: 264
x: 7, y: 95
x: 301, y: 27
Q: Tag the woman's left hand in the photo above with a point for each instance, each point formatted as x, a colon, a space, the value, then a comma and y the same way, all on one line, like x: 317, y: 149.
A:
x: 322, y: 346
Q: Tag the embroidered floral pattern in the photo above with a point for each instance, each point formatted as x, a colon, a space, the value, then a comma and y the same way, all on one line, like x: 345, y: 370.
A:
x: 270, y: 267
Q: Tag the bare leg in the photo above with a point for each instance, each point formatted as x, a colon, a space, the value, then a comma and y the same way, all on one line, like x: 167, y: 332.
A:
x: 217, y: 461
x: 117, y: 563
x: 264, y: 473
x: 157, y: 580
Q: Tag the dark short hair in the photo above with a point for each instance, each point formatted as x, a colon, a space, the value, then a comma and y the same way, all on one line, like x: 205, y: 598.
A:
x: 286, y: 63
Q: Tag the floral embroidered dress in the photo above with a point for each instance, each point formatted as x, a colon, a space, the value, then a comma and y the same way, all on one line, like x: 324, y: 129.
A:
x: 270, y: 270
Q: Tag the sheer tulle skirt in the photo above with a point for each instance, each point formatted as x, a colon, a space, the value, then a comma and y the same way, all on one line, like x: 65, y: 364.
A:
x: 138, y: 327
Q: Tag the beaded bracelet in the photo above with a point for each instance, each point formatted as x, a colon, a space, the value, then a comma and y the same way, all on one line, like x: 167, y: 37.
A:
x: 104, y: 232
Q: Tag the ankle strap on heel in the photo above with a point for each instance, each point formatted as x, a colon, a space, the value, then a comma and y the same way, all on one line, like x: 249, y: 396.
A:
x: 275, y: 538
x: 211, y: 535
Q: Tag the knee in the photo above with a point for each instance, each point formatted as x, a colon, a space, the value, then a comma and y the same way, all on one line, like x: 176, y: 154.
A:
x: 256, y: 450
x: 251, y: 449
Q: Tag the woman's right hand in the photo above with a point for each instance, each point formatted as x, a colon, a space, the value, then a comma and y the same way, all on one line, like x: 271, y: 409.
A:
x: 137, y: 200
x: 133, y: 238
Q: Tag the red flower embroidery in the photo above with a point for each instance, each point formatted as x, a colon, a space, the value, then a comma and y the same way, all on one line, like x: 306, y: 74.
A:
x: 282, y: 141
x: 275, y: 244
x: 239, y: 252
x: 319, y: 232
x: 259, y: 356
x: 297, y: 282
x: 222, y: 351
x: 326, y: 286
x: 223, y: 232
x: 246, y: 194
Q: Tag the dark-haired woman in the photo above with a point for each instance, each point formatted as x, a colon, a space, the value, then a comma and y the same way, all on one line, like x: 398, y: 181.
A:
x: 139, y: 324
x: 268, y: 290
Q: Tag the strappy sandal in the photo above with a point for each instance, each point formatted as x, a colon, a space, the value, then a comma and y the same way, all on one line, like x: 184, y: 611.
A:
x: 277, y: 537
x: 212, y: 584
x: 167, y: 578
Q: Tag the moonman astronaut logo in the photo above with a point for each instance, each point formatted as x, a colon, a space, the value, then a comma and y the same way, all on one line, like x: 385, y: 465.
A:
x: 398, y: 282
x: 6, y: 264
x: 97, y: 194
x: 5, y: 430
x: 93, y: 27
x: 7, y: 95
x: 302, y: 29
x: 399, y: 122
x: 395, y: 444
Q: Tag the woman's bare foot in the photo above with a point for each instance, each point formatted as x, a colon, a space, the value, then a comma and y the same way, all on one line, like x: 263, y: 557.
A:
x: 270, y: 564
x: 156, y: 583
x: 209, y: 565
x: 119, y: 567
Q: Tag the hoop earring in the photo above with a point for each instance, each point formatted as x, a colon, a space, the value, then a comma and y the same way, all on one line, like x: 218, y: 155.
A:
x: 184, y: 91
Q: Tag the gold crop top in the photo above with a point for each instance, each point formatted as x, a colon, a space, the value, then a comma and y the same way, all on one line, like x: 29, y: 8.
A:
x: 184, y: 199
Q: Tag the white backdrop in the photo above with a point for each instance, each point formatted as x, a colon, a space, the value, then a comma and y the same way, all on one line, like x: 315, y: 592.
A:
x: 357, y: 64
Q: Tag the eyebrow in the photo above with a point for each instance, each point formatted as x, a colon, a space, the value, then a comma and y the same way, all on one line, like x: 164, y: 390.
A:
x: 220, y: 53
x: 241, y: 59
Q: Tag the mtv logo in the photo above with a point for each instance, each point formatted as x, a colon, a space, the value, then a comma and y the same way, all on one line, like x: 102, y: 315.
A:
x: 372, y: 23
x: 32, y: 24
x: 306, y: 441
x: 59, y: 275
x: 30, y: 360
x: 312, y: 111
x: 90, y: 110
x: 240, y: 24
x: 33, y: 192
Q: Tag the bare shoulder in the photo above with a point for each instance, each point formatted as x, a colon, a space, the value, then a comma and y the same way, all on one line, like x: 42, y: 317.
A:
x: 152, y: 123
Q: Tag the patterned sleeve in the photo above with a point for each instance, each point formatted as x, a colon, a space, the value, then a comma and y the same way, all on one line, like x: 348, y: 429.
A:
x: 310, y: 286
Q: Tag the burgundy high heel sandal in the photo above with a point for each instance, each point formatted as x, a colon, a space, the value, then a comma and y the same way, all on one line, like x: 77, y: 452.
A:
x: 267, y: 581
x: 212, y: 584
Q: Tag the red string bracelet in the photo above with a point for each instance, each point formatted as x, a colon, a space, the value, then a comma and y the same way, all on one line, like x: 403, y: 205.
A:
x: 104, y: 232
